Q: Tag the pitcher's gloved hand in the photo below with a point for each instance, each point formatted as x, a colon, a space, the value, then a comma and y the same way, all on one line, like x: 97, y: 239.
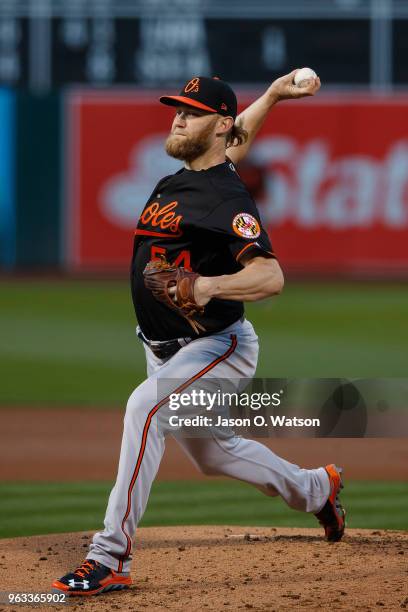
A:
x: 174, y: 287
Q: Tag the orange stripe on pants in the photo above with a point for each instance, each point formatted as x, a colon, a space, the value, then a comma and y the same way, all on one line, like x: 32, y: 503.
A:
x: 146, y: 427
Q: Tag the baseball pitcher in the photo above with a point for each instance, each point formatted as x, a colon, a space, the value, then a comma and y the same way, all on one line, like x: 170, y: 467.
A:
x: 200, y: 252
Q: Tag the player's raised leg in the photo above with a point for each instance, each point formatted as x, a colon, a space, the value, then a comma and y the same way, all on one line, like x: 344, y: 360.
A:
x: 254, y: 463
x: 314, y: 490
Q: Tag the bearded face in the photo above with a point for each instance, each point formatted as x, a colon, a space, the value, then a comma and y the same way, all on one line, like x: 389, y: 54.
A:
x: 189, y: 145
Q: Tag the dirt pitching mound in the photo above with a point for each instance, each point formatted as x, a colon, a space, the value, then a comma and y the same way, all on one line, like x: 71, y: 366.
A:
x: 227, y: 568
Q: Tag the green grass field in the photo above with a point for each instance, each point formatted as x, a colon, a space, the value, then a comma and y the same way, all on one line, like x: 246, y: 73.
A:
x: 73, y: 342
x: 69, y: 342
x: 36, y: 508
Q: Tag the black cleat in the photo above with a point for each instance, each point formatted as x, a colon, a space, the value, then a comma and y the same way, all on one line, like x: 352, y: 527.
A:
x: 91, y: 578
x: 333, y: 516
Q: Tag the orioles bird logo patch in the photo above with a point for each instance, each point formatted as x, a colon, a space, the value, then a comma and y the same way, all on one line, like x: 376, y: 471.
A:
x: 246, y: 226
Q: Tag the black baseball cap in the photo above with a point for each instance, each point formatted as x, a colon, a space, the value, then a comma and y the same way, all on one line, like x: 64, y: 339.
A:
x: 210, y: 94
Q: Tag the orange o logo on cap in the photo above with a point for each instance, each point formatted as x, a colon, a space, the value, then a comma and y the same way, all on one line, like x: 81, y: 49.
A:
x: 192, y: 85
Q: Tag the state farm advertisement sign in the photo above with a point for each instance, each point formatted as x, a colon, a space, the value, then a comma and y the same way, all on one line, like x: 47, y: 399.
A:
x: 330, y: 178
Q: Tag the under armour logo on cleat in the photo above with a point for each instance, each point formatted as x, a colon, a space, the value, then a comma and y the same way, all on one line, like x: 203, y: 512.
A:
x: 79, y: 584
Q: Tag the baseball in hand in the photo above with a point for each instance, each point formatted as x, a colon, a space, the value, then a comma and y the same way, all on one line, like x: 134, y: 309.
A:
x: 303, y: 75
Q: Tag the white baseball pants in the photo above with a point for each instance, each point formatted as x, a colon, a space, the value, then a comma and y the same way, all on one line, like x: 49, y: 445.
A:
x: 230, y: 354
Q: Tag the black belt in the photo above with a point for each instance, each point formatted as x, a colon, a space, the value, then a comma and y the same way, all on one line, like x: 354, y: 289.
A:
x: 164, y: 349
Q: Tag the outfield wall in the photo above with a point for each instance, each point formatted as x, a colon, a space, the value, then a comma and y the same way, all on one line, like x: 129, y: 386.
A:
x: 330, y: 177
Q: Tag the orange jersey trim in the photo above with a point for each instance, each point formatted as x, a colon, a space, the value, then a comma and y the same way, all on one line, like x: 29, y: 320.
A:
x: 248, y: 246
x: 141, y: 232
x: 146, y: 427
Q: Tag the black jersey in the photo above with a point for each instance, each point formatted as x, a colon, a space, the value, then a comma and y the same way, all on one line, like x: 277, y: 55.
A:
x: 205, y: 221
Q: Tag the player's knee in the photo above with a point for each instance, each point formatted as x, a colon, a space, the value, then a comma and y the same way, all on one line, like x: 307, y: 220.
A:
x: 137, y: 405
